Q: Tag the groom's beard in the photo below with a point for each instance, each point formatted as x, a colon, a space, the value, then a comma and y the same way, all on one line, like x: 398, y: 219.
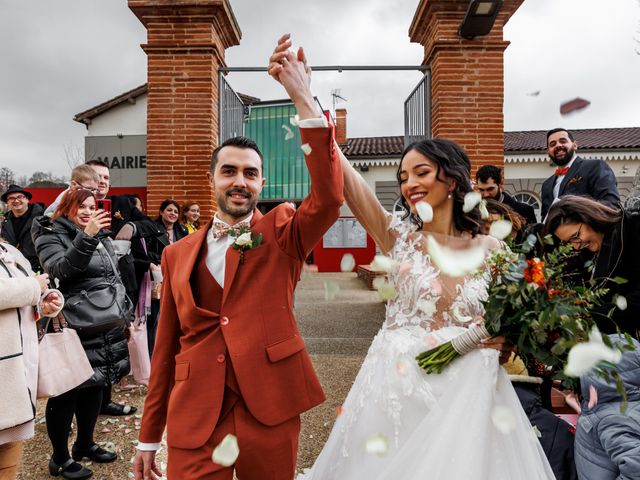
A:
x: 223, y: 200
x: 563, y: 160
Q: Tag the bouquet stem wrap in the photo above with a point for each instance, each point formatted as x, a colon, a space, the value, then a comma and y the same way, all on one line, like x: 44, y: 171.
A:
x: 438, y: 358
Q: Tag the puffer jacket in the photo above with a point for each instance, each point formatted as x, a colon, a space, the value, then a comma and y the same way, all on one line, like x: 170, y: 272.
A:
x: 78, y: 261
x: 607, y: 440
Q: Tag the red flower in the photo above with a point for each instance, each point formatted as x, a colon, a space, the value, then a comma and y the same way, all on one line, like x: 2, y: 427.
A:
x: 552, y: 292
x: 553, y: 336
x: 534, y: 273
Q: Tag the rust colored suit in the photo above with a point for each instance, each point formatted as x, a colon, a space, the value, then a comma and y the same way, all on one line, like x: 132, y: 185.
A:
x: 250, y: 344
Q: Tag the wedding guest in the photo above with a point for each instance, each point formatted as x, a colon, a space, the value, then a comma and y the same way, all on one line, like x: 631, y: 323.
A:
x: 576, y: 175
x: 609, y: 236
x: 489, y: 184
x: 498, y: 211
x: 608, y: 439
x: 82, y: 176
x: 190, y: 216
x: 170, y: 231
x: 20, y: 291
x: 74, y: 248
x: 16, y: 226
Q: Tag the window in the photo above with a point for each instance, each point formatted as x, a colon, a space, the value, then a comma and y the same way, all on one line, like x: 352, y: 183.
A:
x: 529, y: 199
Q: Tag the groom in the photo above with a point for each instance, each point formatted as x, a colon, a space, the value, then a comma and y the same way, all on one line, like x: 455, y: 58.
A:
x: 228, y: 357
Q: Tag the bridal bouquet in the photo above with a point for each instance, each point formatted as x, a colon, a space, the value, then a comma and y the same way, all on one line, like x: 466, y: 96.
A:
x: 536, y: 304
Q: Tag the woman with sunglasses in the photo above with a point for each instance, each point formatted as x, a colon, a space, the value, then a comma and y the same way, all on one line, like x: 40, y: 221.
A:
x: 609, y: 238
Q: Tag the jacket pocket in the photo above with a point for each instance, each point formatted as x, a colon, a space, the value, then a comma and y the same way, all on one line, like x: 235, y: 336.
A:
x: 182, y: 371
x: 284, y: 348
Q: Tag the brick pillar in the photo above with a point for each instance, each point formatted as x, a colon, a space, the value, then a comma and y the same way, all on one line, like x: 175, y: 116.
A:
x: 186, y: 42
x: 467, y: 78
x: 341, y: 126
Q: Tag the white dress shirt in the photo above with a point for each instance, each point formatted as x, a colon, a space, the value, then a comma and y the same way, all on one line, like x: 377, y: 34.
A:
x: 560, y: 178
x: 217, y: 250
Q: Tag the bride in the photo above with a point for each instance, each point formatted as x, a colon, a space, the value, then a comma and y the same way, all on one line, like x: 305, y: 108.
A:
x: 465, y: 423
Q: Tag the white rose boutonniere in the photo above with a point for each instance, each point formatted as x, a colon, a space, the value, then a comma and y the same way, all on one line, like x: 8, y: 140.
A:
x: 245, y: 240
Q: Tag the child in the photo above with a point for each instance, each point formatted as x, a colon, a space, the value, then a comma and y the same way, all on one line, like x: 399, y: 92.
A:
x: 82, y: 176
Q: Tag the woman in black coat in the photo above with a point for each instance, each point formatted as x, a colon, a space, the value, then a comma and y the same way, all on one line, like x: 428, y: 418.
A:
x: 170, y: 231
x: 74, y: 249
x: 610, y: 237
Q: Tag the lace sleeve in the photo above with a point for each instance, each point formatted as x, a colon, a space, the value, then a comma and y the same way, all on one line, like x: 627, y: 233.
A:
x: 366, y: 207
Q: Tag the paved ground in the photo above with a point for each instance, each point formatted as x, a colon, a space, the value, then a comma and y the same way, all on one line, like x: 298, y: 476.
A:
x: 337, y: 333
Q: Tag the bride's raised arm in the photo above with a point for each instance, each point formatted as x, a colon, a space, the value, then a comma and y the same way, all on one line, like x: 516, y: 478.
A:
x: 365, y: 206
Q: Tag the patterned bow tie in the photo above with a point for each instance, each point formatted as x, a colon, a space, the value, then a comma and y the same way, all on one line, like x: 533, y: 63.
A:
x: 221, y: 229
x: 561, y: 171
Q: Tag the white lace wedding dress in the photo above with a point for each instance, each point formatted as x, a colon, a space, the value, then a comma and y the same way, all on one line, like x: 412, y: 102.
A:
x: 438, y: 426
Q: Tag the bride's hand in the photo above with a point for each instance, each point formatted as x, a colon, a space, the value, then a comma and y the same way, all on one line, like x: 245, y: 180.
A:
x: 502, y: 345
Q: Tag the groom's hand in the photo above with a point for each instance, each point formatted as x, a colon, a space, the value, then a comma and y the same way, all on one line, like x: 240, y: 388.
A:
x: 144, y: 466
x: 292, y: 71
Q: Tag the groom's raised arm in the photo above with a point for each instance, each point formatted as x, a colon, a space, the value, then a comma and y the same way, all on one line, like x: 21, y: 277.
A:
x: 302, y: 229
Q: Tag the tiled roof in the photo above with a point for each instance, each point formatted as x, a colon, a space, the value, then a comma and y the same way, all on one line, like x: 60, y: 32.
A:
x: 374, y: 146
x: 130, y: 96
x: 588, y: 139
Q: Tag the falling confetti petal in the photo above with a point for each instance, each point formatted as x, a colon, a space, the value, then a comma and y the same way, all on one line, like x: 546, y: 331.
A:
x: 306, y: 149
x: 377, y: 445
x: 295, y: 120
x: 584, y: 356
x: 386, y: 290
x: 455, y: 263
x: 536, y: 431
x: 105, y: 430
x: 621, y: 302
x: 289, y: 134
x: 534, y: 94
x: 339, y: 411
x: 331, y: 289
x: 503, y: 419
x: 348, y: 263
x: 484, y: 213
x: 425, y: 211
x: 471, y: 199
x: 382, y: 263
x: 500, y: 229
x: 227, y: 451
x: 574, y: 105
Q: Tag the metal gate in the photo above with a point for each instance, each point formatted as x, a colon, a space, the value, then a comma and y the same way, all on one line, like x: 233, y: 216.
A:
x: 417, y: 112
x: 231, y: 111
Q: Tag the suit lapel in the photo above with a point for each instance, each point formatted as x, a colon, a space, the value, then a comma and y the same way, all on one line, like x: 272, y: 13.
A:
x: 192, y: 246
x: 232, y: 260
x: 573, y: 171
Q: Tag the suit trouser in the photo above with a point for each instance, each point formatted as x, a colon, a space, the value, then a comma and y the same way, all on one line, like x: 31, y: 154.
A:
x: 10, y: 457
x: 266, y: 453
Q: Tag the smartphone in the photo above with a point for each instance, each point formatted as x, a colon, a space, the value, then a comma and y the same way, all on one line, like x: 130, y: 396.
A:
x: 105, y: 205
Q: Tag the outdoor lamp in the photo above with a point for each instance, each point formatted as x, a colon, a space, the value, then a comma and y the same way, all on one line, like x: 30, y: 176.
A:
x: 479, y: 18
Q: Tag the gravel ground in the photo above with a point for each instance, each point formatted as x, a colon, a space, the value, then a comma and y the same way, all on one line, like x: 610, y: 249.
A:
x: 337, y: 333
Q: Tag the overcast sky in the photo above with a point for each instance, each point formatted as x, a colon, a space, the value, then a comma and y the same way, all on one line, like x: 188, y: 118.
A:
x: 60, y: 58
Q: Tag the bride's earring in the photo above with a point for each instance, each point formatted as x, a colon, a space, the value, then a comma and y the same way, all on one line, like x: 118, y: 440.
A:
x: 449, y: 196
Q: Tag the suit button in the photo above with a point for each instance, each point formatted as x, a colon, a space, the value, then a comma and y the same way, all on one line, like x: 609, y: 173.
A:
x: 224, y: 321
x: 220, y: 358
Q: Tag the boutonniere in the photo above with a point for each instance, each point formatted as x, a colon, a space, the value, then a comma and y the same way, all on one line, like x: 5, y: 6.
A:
x: 245, y: 240
x: 574, y: 180
x: 118, y: 215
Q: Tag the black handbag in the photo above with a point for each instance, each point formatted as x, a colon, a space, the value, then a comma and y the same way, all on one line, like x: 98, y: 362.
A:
x: 99, y: 308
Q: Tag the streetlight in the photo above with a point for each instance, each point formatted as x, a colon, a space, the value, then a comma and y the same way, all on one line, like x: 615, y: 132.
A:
x: 479, y: 18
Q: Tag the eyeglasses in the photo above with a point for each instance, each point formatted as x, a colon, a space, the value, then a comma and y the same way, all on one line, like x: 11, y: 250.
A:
x: 16, y: 198
x: 92, y: 190
x: 575, y: 238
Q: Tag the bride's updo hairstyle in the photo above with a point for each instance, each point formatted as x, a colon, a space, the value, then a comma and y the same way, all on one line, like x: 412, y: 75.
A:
x: 453, y: 163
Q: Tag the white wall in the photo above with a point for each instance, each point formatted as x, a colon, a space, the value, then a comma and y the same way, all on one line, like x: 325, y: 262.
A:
x: 126, y: 119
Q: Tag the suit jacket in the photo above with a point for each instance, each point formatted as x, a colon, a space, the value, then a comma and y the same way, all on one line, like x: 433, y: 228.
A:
x: 22, y: 240
x: 271, y: 365
x: 525, y: 211
x: 593, y: 178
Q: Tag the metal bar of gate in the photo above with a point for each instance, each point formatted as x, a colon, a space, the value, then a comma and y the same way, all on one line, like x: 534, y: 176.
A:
x: 331, y: 68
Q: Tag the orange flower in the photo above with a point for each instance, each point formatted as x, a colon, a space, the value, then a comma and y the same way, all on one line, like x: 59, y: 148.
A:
x: 534, y: 273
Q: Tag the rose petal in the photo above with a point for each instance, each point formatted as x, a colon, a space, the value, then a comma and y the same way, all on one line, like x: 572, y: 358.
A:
x: 386, y: 290
x: 331, y: 289
x: 584, y: 356
x: 289, y: 134
x: 377, y: 445
x: 295, y: 120
x: 455, y: 263
x: 484, y: 213
x: 227, y: 451
x: 339, y: 411
x: 500, y: 229
x: 425, y: 211
x: 621, y: 302
x: 471, y: 199
x: 593, y: 397
x: 382, y: 263
x: 503, y: 419
x: 348, y: 263
x: 536, y: 432
x: 306, y: 148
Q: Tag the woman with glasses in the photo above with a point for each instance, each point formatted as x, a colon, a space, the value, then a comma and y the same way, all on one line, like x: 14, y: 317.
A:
x: 610, y: 238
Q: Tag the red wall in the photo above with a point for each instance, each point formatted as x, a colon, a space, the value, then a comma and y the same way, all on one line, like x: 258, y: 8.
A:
x: 328, y: 259
x: 48, y: 195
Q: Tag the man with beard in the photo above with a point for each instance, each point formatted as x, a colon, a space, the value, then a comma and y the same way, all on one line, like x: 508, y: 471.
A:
x: 489, y: 185
x: 229, y: 364
x: 576, y: 175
